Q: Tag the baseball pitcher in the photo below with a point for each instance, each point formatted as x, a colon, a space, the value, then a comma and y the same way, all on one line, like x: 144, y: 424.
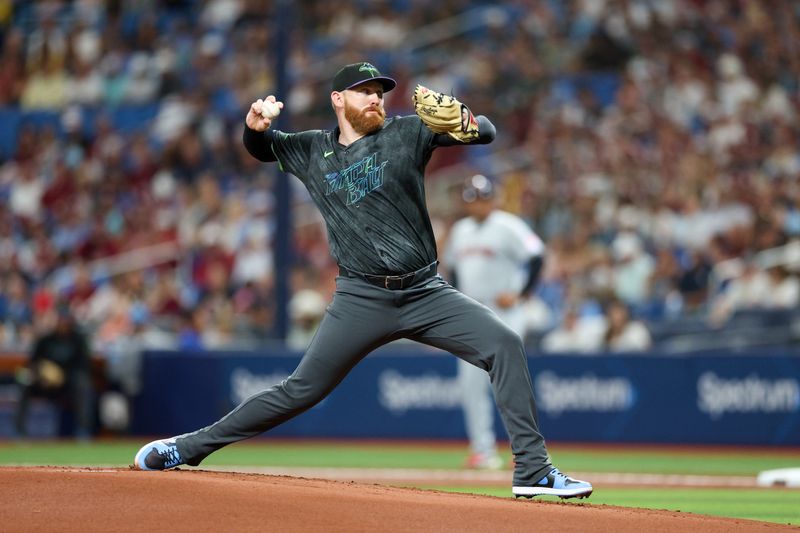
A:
x: 366, y: 176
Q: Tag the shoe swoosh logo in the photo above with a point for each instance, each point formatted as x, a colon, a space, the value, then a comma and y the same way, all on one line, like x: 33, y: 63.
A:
x: 326, y: 154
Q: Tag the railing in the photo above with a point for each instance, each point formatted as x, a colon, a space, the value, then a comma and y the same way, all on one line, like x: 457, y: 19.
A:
x: 138, y: 259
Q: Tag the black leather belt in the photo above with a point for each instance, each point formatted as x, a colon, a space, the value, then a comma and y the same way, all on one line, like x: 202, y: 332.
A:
x: 393, y: 283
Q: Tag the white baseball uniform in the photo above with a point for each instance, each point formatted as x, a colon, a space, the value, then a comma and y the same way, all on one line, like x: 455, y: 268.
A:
x: 488, y: 259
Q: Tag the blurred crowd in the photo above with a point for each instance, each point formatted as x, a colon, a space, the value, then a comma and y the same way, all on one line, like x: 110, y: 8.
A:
x: 649, y: 142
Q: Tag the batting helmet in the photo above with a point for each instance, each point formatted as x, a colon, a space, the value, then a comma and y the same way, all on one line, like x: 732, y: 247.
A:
x: 477, y: 187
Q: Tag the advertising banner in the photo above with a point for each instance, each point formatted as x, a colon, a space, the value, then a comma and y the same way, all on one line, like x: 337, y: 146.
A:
x: 412, y: 394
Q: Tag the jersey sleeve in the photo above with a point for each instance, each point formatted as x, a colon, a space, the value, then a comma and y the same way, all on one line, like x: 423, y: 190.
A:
x: 290, y: 150
x: 487, y: 133
x: 293, y: 150
x: 259, y: 143
x: 524, y: 243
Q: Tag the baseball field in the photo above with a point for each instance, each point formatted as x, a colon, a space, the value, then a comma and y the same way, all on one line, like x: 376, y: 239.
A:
x: 388, y: 486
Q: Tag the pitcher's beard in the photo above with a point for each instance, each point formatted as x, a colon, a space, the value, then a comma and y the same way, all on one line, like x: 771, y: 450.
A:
x: 364, y: 123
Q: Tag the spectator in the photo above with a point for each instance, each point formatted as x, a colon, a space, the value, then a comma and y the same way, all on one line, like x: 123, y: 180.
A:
x: 12, y: 79
x: 750, y: 290
x: 784, y: 290
x: 26, y: 191
x: 306, y: 309
x: 633, y: 268
x: 47, y: 84
x: 16, y: 313
x: 86, y: 86
x: 190, y: 333
x: 624, y: 334
x: 575, y: 335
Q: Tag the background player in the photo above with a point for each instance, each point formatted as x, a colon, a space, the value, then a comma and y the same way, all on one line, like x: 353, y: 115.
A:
x: 494, y: 257
x: 59, y: 369
x: 367, y: 178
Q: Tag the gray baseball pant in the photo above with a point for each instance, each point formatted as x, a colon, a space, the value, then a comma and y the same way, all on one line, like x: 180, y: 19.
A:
x: 476, y: 392
x: 363, y: 317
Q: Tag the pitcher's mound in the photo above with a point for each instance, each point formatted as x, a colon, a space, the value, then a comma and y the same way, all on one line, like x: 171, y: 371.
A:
x: 93, y: 499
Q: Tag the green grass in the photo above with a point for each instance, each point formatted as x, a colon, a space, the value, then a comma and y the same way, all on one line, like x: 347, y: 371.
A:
x: 66, y: 453
x: 774, y: 505
x: 724, y: 463
x: 398, y: 455
x: 251, y: 454
x: 770, y: 505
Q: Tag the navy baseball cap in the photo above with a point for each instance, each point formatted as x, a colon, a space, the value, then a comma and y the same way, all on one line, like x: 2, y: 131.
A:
x: 357, y: 73
x: 477, y: 187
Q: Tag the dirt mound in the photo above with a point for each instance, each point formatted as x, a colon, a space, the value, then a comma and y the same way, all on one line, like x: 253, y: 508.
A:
x: 93, y: 499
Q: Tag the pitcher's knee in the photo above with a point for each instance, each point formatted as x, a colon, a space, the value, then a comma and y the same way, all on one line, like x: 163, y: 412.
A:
x: 513, y: 345
x: 506, y: 339
x: 300, y: 395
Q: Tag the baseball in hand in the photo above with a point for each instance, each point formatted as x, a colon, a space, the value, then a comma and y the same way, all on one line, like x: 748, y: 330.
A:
x: 270, y: 109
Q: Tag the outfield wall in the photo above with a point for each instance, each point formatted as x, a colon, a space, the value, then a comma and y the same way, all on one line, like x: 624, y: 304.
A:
x: 751, y: 398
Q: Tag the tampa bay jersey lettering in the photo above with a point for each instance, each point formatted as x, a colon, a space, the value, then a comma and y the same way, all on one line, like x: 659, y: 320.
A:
x: 359, y: 179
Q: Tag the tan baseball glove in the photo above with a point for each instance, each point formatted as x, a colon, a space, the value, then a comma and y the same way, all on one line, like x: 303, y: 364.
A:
x: 443, y: 113
x: 51, y: 376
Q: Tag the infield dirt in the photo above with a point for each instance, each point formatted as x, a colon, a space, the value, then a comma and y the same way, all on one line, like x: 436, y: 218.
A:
x: 95, y: 499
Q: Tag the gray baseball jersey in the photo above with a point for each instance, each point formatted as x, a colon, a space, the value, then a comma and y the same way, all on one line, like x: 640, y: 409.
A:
x: 371, y: 195
x: 488, y: 256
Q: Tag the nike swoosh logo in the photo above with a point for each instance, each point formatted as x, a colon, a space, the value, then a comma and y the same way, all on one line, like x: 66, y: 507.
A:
x: 326, y: 154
